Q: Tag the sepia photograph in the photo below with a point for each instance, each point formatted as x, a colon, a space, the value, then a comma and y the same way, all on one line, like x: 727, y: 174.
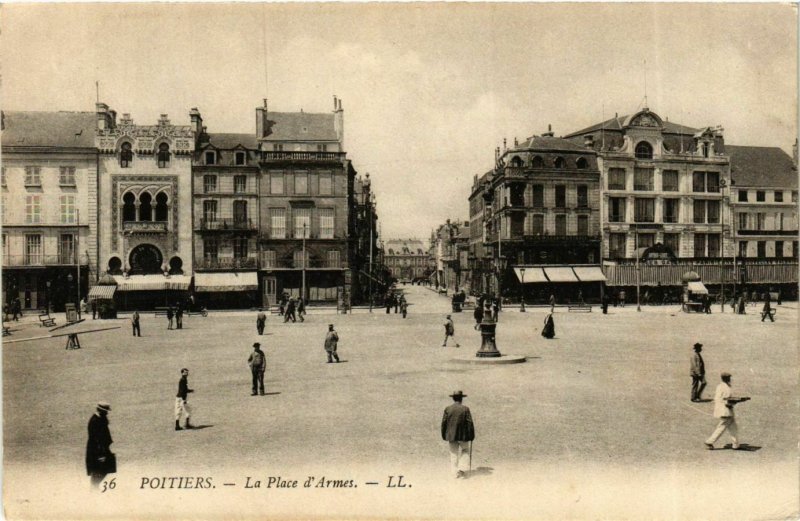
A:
x: 422, y: 260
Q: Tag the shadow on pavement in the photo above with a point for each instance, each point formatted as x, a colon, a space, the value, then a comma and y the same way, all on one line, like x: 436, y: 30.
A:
x: 198, y: 427
x: 271, y: 394
x: 744, y: 447
x: 480, y: 471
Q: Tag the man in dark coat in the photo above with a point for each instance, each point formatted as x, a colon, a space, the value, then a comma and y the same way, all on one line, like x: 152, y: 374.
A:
x: 478, y: 314
x: 258, y: 364
x: 137, y: 328
x: 549, y: 330
x: 94, y: 309
x: 261, y: 321
x: 181, y: 406
x: 301, y: 309
x: 767, y: 311
x: 290, y: 307
x: 179, y: 316
x: 698, y: 373
x: 459, y: 431
x: 331, y: 344
x: 170, y: 314
x: 98, y: 446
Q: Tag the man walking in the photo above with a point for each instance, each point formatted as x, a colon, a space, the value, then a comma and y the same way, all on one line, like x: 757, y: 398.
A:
x: 698, y: 373
x: 181, y: 406
x: 179, y: 316
x: 301, y: 309
x: 170, y: 314
x: 290, y: 311
x: 767, y: 311
x: 459, y: 431
x: 261, y: 321
x: 258, y: 364
x: 137, y: 330
x: 449, y: 331
x: 331, y: 343
x: 723, y: 409
x: 98, y: 446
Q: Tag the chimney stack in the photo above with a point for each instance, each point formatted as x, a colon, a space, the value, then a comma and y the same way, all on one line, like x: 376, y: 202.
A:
x: 549, y: 132
x: 588, y: 140
x: 103, y: 117
x: 197, y: 121
x: 261, y: 121
x: 338, y: 121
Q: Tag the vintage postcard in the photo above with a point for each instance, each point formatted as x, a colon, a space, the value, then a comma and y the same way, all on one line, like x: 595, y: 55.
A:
x: 399, y: 261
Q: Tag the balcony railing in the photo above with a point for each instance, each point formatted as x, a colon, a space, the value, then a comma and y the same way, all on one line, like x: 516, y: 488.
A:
x: 38, y: 260
x: 267, y: 264
x: 302, y: 156
x: 226, y: 263
x: 227, y: 224
x: 145, y: 226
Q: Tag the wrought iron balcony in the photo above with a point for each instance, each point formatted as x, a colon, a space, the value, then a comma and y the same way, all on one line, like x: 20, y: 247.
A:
x: 227, y: 225
x: 302, y: 156
x: 268, y: 263
x: 226, y: 263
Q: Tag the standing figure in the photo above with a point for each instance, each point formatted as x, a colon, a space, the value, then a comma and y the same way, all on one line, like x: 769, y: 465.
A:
x: 179, y: 316
x: 458, y: 430
x: 98, y: 446
x: 449, y: 331
x: 478, y: 314
x: 261, y: 321
x: 549, y: 330
x: 331, y: 343
x: 301, y: 309
x: 698, y: 373
x: 741, y: 305
x: 137, y: 330
x: 181, y: 405
x: 258, y: 364
x: 723, y: 409
x: 396, y: 302
x: 388, y: 302
x: 706, y: 304
x: 282, y: 305
x: 94, y: 309
x: 170, y: 314
x: 605, y: 303
x: 580, y: 297
x: 767, y: 311
x: 289, y: 314
x: 552, y: 303
x: 404, y: 307
x: 622, y: 298
x: 16, y: 309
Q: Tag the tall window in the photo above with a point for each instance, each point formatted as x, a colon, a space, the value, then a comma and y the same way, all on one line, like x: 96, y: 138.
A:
x: 741, y: 221
x: 761, y: 221
x: 645, y: 240
x: 210, y: 249
x: 669, y: 180
x: 333, y: 258
x: 644, y: 210
x: 33, y: 209
x: 616, y: 179
x: 743, y: 249
x: 239, y: 184
x: 561, y: 224
x: 162, y: 210
x: 742, y: 196
x: 712, y: 212
x: 302, y: 222
x: 713, y: 244
x: 67, y: 209
x: 66, y: 248
x: 538, y: 224
x: 761, y: 196
x: 643, y: 179
x: 300, y: 183
x: 163, y: 155
x: 581, y: 163
x: 3, y: 177
x: 673, y: 242
x: 276, y: 182
x: 699, y: 245
x: 698, y: 181
x: 5, y: 248
x: 326, y: 223
x: 299, y: 260
x: 125, y: 156
x: 779, y: 249
x: 240, y: 212
x: 209, y: 184
x: 699, y: 211
x: 644, y: 150
x: 325, y: 183
x: 671, y: 209
x: 240, y: 247
x: 277, y: 220
x: 128, y: 207
x: 538, y: 196
x: 66, y: 176
x: 33, y: 249
x: 761, y: 249
x: 241, y: 158
x: 583, y: 196
x: 616, y: 209
x: 560, y: 162
x: 706, y: 212
x: 33, y: 176
x: 537, y: 162
x: 145, y: 207
x: 616, y: 245
x: 583, y: 225
x: 561, y: 196
x: 211, y: 157
x: 209, y: 211
x: 712, y: 182
x: 268, y: 259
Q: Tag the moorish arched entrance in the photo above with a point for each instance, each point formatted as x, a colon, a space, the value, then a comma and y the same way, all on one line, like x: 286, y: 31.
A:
x: 146, y: 258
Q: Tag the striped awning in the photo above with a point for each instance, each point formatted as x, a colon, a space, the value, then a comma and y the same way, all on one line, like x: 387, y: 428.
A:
x: 697, y: 287
x: 101, y: 293
x: 152, y: 282
x: 532, y: 275
x: 560, y: 274
x: 589, y: 273
x: 226, y: 281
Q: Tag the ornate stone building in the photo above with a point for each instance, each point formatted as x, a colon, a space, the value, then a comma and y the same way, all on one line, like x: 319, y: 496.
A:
x: 407, y: 259
x: 145, y: 207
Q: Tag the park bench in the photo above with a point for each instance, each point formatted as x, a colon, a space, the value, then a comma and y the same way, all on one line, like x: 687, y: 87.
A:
x: 45, y: 320
x: 579, y: 308
x: 693, y: 306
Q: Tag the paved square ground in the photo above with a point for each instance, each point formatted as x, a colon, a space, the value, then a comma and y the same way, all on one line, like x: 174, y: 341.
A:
x: 596, y: 424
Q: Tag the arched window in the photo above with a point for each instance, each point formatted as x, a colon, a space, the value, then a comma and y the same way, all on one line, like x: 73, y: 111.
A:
x: 163, y: 155
x: 644, y: 150
x: 145, y: 207
x: 560, y: 162
x: 537, y: 162
x: 125, y: 156
x: 516, y: 162
x: 161, y: 207
x: 128, y: 207
x: 582, y: 163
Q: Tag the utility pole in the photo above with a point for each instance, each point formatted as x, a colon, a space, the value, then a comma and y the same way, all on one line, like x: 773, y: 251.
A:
x: 722, y: 184
x: 369, y: 206
x: 638, y: 272
x: 303, y: 294
x: 77, y: 254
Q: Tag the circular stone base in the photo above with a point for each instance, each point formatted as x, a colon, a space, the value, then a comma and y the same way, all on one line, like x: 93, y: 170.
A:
x: 502, y: 359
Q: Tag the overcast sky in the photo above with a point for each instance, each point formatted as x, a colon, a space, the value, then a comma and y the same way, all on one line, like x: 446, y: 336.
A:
x: 428, y: 90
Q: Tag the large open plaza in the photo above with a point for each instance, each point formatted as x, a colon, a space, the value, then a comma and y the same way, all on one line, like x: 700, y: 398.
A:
x: 596, y: 424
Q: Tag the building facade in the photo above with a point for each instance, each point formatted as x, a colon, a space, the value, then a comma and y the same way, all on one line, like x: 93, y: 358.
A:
x: 450, y: 245
x: 145, y: 207
x: 407, y: 259
x: 49, y: 201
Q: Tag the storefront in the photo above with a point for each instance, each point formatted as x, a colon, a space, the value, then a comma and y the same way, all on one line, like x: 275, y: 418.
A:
x: 568, y: 284
x: 147, y: 292
x: 226, y: 290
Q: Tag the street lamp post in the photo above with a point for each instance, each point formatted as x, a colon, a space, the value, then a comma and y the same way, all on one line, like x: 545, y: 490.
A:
x: 303, y: 290
x: 722, y: 184
x: 638, y: 272
x: 49, y: 298
x: 522, y: 290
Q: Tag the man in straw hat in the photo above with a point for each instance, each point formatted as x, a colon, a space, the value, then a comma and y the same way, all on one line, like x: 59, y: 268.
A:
x: 723, y: 409
x: 258, y: 364
x: 459, y: 431
x: 98, y: 447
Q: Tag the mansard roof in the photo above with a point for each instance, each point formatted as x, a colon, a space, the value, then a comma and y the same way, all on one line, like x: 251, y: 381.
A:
x: 300, y: 126
x: 762, y: 167
x: 618, y: 123
x: 229, y: 141
x: 548, y: 144
x: 396, y: 247
x: 48, y: 129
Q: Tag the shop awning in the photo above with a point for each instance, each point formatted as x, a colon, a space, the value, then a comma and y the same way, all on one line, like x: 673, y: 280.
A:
x: 226, y: 281
x: 152, y: 282
x: 589, y: 273
x: 561, y: 274
x: 697, y: 287
x: 532, y: 275
x: 101, y: 293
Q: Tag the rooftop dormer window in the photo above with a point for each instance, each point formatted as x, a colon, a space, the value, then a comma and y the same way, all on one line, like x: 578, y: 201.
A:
x: 125, y: 156
x: 644, y: 150
x: 163, y: 155
x: 211, y: 157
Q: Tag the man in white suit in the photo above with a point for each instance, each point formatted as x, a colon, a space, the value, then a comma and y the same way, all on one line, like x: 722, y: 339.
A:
x: 723, y: 409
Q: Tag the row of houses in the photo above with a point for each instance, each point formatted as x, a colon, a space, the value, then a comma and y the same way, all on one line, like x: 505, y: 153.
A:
x: 172, y: 209
x: 632, y: 191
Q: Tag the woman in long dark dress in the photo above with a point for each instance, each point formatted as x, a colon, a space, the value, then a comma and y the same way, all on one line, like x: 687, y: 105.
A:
x: 549, y: 330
